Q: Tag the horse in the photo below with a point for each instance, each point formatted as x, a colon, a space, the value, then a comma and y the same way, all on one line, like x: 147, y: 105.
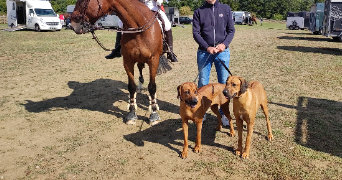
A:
x: 141, y: 43
x: 254, y: 20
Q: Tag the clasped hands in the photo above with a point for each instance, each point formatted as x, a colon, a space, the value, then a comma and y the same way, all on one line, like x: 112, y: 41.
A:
x: 219, y: 48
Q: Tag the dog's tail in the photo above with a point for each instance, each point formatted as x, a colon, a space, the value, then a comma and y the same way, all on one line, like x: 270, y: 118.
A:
x: 164, y: 65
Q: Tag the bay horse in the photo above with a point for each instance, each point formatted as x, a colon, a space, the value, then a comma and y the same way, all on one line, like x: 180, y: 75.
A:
x: 141, y: 43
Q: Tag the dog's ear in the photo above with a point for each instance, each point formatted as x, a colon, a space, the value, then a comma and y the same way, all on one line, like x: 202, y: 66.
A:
x: 179, y: 91
x: 243, y: 86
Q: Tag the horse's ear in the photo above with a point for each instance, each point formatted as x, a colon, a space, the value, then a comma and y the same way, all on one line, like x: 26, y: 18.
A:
x: 243, y: 86
x: 178, y: 90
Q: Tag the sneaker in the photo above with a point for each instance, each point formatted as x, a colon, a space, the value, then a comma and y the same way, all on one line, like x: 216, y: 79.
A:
x: 225, y: 121
x: 204, y: 118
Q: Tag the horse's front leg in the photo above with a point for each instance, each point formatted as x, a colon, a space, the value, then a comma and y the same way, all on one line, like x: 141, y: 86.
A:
x: 152, y: 89
x: 141, y: 66
x: 132, y: 87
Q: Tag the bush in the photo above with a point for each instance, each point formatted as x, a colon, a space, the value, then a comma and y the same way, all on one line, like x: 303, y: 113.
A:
x: 278, y: 17
x: 184, y: 11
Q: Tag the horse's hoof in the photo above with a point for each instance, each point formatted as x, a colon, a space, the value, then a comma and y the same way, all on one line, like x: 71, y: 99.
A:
x: 154, y: 118
x: 131, y: 117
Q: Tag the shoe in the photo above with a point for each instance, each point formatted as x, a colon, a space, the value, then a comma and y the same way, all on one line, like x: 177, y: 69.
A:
x: 113, y: 55
x: 204, y: 118
x: 225, y: 121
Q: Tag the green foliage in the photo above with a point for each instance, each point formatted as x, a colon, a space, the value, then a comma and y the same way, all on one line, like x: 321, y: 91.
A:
x: 263, y: 8
x: 278, y: 17
x: 185, y: 10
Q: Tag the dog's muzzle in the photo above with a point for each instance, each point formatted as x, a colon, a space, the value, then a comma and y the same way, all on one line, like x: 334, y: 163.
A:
x: 192, y: 102
x: 227, y: 95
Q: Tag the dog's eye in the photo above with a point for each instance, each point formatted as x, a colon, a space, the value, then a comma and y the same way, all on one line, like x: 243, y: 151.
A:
x: 187, y: 92
x: 233, y: 84
x: 195, y: 92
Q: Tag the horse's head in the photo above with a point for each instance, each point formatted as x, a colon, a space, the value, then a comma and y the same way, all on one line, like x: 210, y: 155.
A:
x: 86, y: 13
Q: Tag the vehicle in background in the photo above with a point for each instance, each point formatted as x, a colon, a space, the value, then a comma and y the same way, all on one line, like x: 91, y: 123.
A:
x: 332, y: 21
x: 172, y: 14
x: 241, y: 17
x: 32, y: 14
x: 295, y: 23
x: 316, y: 18
x: 297, y: 20
x: 108, y: 21
x: 185, y: 20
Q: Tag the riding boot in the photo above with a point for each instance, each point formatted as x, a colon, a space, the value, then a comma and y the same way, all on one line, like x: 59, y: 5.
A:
x: 117, y: 51
x: 170, y: 55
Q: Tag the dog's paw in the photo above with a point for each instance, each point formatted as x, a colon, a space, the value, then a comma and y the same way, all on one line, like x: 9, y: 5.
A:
x: 245, y: 155
x: 238, y: 152
x: 270, y: 137
x: 232, y: 134
x: 184, y: 155
x: 197, y: 149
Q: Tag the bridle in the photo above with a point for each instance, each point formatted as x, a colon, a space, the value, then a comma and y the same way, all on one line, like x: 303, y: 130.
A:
x: 91, y: 28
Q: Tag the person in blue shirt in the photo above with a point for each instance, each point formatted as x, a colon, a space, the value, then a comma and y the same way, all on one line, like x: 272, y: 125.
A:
x: 213, y: 30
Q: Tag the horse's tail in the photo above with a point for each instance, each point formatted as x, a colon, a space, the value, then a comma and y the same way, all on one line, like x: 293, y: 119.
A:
x: 164, y: 65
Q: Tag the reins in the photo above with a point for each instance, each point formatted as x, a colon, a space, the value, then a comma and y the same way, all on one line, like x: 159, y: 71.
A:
x: 92, y: 28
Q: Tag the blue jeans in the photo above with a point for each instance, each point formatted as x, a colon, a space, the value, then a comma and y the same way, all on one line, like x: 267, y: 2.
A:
x: 205, y: 60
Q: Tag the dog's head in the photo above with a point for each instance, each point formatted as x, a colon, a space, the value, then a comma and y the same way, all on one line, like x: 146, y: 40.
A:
x: 235, y: 86
x: 187, y: 92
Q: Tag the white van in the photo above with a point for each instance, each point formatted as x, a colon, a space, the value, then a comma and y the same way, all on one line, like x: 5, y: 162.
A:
x: 32, y: 14
x: 108, y: 21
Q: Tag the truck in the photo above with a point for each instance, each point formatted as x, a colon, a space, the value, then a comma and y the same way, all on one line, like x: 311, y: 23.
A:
x: 241, y: 17
x: 172, y: 14
x: 32, y: 14
x: 332, y: 21
x: 106, y: 21
x: 297, y: 20
x: 316, y: 18
x: 295, y: 23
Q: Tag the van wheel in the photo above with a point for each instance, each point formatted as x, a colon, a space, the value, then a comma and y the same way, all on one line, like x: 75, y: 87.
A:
x: 37, y: 28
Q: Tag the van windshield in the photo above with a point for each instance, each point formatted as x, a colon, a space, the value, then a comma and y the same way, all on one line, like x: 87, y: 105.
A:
x: 45, y: 12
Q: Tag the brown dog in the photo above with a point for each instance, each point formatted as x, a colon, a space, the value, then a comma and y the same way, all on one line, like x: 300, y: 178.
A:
x: 193, y: 105
x: 247, y: 98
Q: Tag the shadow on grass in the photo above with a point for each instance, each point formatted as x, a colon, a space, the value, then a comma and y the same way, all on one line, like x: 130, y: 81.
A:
x: 319, y: 124
x: 322, y: 50
x: 98, y: 95
x: 169, y: 132
x: 306, y: 38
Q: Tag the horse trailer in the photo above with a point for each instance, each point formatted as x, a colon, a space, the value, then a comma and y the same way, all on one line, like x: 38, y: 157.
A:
x: 241, y: 17
x: 297, y: 20
x: 32, y: 14
x: 316, y: 18
x: 332, y: 23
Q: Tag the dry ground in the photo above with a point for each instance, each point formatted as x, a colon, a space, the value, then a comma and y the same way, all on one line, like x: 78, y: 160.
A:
x: 62, y: 106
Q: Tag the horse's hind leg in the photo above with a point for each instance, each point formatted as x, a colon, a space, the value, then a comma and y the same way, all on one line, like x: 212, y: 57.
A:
x: 141, y: 66
x: 152, y: 89
x: 132, y: 87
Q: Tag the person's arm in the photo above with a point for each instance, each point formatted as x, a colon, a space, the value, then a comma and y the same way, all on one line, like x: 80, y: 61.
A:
x: 196, y: 31
x: 230, y: 29
x: 159, y: 2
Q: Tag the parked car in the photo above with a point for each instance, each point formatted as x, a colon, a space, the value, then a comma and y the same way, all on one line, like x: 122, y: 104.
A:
x: 185, y: 20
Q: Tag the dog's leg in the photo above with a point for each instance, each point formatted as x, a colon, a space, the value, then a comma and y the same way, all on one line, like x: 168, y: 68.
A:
x: 239, y: 124
x: 226, y: 112
x: 185, y: 126
x: 250, y: 125
x: 265, y: 110
x: 214, y: 108
x: 198, y: 138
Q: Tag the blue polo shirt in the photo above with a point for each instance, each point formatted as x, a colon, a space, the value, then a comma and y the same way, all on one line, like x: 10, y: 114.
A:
x: 213, y: 24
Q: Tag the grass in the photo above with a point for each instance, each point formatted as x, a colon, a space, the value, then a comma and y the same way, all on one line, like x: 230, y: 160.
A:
x: 62, y: 107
